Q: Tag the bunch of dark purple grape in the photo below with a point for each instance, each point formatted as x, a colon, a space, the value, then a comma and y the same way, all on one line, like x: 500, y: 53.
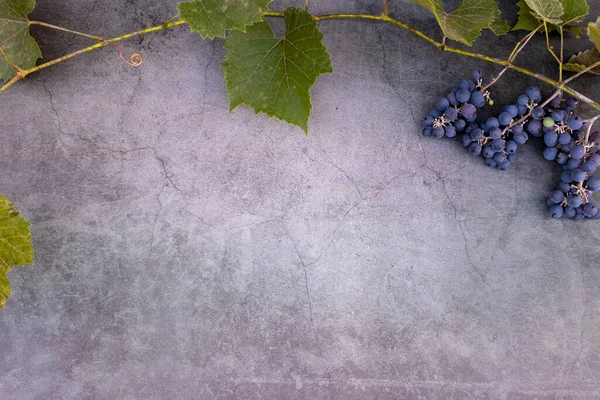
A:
x: 497, y: 139
x: 567, y: 137
x: 569, y: 142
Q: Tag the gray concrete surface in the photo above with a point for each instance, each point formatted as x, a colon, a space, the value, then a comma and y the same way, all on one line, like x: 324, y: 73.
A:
x: 186, y: 253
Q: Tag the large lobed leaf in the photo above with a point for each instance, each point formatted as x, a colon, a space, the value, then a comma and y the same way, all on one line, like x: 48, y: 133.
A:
x: 14, y: 37
x: 274, y: 74
x: 212, y: 18
x: 466, y: 22
x: 594, y: 33
x: 582, y: 60
x: 15, y: 245
x: 555, y: 13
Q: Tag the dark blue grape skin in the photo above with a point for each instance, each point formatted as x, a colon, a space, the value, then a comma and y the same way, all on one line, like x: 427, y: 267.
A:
x: 534, y: 127
x: 438, y: 132
x: 471, y: 86
x: 499, y: 157
x: 556, y: 211
x: 427, y: 132
x: 492, y: 123
x: 538, y: 113
x: 475, y: 149
x: 491, y: 163
x: 593, y: 183
x: 487, y: 151
x: 468, y: 110
x: 566, y: 177
x: 495, y: 133
x: 504, y: 166
x: 595, y: 137
x: 498, y: 145
x: 476, y: 134
x: 477, y: 99
x: 463, y: 84
x: 564, y: 138
x: 578, y: 175
x: 450, y: 131
x: 555, y: 102
x: 435, y: 113
x: 442, y: 104
x: 463, y: 96
x: 570, y: 212
x: 511, y: 147
x: 428, y: 121
x: 520, y: 138
x: 558, y: 115
x: 595, y: 158
x: 466, y: 140
x: 577, y: 152
x: 516, y: 129
x: 451, y: 114
x: 574, y: 201
x: 579, y: 216
x: 550, y: 153
x: 522, y: 110
x: 550, y: 138
x: 460, y: 124
x: 562, y: 158
x: 452, y: 99
x: 590, y: 210
x: 476, y: 74
x: 523, y: 100
x: 556, y: 196
x: 589, y: 167
x: 512, y: 110
x: 564, y: 187
x: 504, y: 118
x: 533, y: 93
x: 572, y: 164
x: 575, y: 122
x: 572, y: 102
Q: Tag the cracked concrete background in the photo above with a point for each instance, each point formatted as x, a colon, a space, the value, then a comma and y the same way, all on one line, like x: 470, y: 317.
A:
x: 186, y: 253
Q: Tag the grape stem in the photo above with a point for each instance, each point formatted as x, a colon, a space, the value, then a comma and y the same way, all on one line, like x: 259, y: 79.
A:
x: 382, y: 18
x: 520, y: 46
x: 12, y: 64
x: 60, y: 28
x: 591, y: 122
x: 550, y: 47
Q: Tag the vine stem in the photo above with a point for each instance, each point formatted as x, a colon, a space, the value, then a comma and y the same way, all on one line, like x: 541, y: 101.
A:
x: 23, y: 73
x: 520, y: 46
x: 591, y: 122
x: 60, y: 28
x: 12, y: 64
x: 383, y: 17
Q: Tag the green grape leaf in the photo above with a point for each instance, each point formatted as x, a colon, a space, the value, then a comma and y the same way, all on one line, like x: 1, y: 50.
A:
x: 14, y: 37
x: 525, y: 21
x: 574, y: 11
x: 212, y: 18
x: 274, y: 74
x: 594, y: 33
x: 500, y: 27
x: 15, y: 245
x: 547, y: 10
x: 582, y: 60
x: 466, y: 22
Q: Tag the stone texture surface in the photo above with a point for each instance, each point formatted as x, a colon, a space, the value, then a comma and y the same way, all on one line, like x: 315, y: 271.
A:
x: 186, y: 253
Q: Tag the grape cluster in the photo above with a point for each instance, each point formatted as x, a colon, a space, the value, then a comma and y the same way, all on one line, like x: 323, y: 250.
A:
x: 566, y: 136
x: 569, y: 144
x: 497, y: 138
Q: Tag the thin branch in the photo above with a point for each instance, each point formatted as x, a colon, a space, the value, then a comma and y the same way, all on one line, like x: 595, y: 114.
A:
x: 513, y: 55
x: 306, y: 5
x: 385, y: 7
x: 98, y: 45
x: 60, y: 28
x: 562, y: 48
x: 583, y: 71
x: 12, y: 64
x: 591, y: 122
x: 550, y: 47
x: 384, y: 18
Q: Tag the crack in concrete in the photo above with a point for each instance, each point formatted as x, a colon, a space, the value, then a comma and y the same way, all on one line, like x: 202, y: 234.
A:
x: 310, y: 308
x: 161, y: 161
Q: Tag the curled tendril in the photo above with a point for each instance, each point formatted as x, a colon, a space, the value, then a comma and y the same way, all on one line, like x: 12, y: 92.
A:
x: 135, y: 60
